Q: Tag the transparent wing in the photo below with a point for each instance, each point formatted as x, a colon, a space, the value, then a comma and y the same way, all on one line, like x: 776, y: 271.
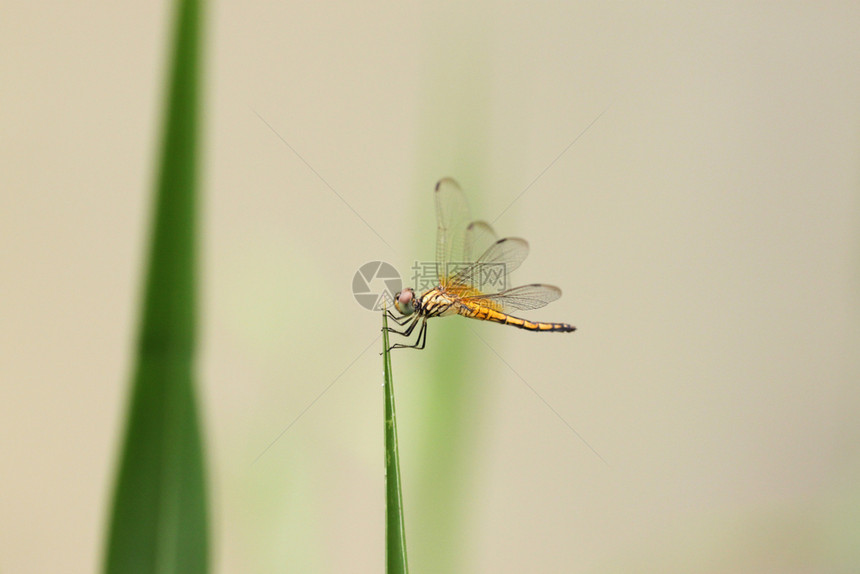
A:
x: 510, y: 252
x: 452, y: 218
x: 491, y: 271
x: 479, y: 237
x: 524, y: 298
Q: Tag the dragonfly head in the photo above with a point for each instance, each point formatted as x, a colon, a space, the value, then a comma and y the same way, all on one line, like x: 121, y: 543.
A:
x: 405, y: 302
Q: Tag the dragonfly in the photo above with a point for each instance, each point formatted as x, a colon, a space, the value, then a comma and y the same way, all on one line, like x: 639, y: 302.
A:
x: 467, y: 253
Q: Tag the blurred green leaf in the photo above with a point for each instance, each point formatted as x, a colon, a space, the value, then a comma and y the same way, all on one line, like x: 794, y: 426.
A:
x: 456, y: 139
x: 450, y: 421
x: 395, y: 532
x: 159, y: 517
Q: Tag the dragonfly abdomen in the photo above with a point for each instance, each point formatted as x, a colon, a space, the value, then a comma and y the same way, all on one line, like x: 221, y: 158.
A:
x: 486, y: 314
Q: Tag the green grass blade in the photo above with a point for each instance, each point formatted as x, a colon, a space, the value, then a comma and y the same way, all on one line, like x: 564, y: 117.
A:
x: 395, y: 533
x: 158, y: 520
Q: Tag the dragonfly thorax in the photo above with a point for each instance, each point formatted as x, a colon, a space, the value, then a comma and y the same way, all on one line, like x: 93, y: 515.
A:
x: 436, y: 303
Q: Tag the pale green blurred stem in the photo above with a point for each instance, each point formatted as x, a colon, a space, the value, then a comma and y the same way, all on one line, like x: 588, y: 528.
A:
x: 454, y: 131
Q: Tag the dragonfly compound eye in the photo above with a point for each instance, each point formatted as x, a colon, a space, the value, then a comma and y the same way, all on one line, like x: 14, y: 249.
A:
x: 405, y: 302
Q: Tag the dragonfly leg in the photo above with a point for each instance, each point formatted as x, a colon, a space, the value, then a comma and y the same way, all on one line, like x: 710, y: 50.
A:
x: 419, y: 342
x: 402, y: 320
x: 423, y: 332
x: 408, y: 330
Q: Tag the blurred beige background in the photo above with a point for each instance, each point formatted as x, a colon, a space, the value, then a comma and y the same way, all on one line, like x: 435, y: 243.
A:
x: 705, y: 230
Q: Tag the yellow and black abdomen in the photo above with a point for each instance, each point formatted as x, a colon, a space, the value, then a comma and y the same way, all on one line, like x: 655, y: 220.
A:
x: 487, y: 314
